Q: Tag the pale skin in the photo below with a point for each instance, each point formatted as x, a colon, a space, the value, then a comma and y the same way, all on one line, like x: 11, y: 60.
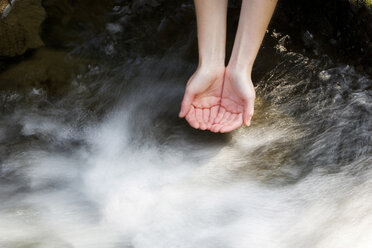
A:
x: 221, y: 98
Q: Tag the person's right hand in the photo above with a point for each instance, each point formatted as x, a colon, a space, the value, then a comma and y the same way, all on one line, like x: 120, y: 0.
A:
x: 202, y: 97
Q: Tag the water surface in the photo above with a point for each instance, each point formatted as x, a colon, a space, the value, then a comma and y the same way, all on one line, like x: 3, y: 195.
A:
x: 109, y: 164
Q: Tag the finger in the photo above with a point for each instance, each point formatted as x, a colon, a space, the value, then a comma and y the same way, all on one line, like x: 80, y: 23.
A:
x: 248, y: 112
x: 199, y: 118
x: 234, y: 124
x: 190, y: 117
x: 206, y: 113
x: 216, y: 128
x: 225, y: 118
x: 186, y: 103
x: 231, y: 118
x: 213, y: 114
x: 220, y: 114
x: 227, y: 121
x: 199, y: 114
x: 206, y: 116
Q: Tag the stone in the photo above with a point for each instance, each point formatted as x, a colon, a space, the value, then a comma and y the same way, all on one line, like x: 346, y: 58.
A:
x: 20, y: 29
x: 48, y: 69
x: 3, y: 5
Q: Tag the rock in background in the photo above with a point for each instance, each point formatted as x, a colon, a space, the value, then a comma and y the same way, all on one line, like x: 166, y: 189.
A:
x: 47, y: 69
x: 20, y: 29
x: 37, y: 35
x: 3, y: 5
x: 26, y: 63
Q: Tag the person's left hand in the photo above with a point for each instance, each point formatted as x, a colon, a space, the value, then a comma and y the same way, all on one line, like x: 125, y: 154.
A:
x: 237, y: 102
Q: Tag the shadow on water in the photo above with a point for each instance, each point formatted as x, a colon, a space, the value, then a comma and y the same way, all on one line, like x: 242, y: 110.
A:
x: 107, y: 162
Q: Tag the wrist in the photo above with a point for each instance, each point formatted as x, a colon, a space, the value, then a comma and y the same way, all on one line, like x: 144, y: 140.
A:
x: 242, y: 69
x: 217, y: 62
x: 212, y: 66
x: 241, y: 62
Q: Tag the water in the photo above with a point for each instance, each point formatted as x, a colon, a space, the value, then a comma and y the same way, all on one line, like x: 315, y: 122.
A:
x: 109, y: 164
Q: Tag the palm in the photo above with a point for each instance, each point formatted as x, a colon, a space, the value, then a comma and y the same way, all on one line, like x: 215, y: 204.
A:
x: 205, y: 90
x: 218, y: 101
x: 236, y: 104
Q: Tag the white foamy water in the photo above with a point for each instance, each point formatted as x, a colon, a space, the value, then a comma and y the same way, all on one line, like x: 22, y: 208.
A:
x: 109, y: 165
x: 116, y: 192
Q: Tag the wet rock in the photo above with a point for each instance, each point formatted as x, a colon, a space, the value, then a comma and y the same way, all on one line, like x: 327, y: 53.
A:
x: 20, y: 28
x: 3, y: 5
x: 68, y: 21
x: 341, y: 29
x: 46, y: 69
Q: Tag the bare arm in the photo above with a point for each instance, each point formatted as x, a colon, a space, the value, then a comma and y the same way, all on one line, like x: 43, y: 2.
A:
x: 238, y: 92
x: 217, y: 98
x: 204, y: 88
x: 254, y: 18
x: 211, y: 25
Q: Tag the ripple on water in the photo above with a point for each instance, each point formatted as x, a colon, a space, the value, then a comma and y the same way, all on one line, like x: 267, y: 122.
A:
x: 110, y: 165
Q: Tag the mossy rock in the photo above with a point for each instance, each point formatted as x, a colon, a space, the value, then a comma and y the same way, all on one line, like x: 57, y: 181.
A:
x: 20, y: 29
x: 47, y: 69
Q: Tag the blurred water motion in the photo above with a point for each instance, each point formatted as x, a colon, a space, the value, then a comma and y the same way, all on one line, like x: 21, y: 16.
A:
x: 109, y: 164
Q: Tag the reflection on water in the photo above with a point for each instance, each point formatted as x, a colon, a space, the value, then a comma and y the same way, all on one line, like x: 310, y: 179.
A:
x: 111, y: 165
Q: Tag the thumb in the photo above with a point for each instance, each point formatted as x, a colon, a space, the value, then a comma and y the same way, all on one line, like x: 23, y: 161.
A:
x: 248, y: 112
x: 186, y: 103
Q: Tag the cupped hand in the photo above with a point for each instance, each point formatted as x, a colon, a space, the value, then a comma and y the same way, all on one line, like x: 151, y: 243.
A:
x: 200, y: 104
x: 237, y: 102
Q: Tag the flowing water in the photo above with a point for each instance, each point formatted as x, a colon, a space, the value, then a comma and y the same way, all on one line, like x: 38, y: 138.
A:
x: 110, y: 165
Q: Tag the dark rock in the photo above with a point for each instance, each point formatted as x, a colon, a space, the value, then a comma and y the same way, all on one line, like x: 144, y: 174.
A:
x: 46, y: 69
x: 68, y: 20
x: 20, y: 29
x: 342, y: 29
x: 3, y: 5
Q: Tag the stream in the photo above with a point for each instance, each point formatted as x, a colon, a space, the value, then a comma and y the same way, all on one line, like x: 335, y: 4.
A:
x: 109, y: 164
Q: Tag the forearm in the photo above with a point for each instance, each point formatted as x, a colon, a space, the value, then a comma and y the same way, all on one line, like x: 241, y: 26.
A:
x: 211, y: 25
x: 254, y: 18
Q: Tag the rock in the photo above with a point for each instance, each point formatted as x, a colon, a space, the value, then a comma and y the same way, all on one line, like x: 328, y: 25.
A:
x: 20, y: 28
x: 342, y: 29
x: 47, y: 69
x: 3, y: 5
x: 67, y: 21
